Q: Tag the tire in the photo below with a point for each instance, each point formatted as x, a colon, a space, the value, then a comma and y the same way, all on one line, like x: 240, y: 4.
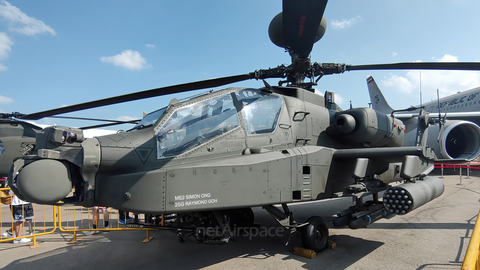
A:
x: 315, y: 234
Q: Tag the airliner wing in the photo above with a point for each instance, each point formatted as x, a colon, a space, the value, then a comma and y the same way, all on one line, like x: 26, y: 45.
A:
x: 472, y: 116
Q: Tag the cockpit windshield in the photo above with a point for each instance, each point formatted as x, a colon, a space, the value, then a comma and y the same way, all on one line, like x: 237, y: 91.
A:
x: 260, y: 110
x: 195, y: 124
x: 149, y: 119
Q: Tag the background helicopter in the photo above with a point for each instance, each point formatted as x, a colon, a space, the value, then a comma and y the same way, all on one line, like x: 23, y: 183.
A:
x: 191, y: 158
x: 17, y: 138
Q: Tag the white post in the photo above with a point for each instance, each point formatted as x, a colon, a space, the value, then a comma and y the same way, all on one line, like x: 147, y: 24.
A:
x: 460, y: 184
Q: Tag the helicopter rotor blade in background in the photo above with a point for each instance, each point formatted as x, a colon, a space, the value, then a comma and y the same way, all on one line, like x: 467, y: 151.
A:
x: 108, y: 125
x: 140, y: 95
x: 301, y: 19
x: 117, y: 122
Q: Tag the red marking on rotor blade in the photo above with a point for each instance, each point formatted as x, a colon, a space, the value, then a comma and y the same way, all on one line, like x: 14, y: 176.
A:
x: 302, y: 25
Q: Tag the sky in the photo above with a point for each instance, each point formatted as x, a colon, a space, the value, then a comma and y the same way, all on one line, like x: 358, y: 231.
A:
x: 57, y: 53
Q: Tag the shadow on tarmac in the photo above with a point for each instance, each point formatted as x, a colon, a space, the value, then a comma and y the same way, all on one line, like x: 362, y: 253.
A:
x: 125, y: 250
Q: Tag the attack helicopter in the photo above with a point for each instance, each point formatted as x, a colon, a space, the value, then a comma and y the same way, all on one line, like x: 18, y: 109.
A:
x: 205, y: 161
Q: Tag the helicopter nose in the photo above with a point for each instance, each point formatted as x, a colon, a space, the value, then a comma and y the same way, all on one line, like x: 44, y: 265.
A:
x: 45, y: 181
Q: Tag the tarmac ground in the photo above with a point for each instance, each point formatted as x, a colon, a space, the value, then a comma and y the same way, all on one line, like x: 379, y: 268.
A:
x: 434, y: 236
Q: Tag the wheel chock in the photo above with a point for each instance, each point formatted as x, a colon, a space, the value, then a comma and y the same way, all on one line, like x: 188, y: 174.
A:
x: 304, y: 252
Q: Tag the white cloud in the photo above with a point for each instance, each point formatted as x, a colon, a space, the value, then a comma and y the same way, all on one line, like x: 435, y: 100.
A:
x: 127, y: 59
x: 339, y: 99
x: 5, y: 48
x: 345, y: 23
x: 21, y: 22
x: 403, y: 84
x: 5, y: 100
x: 127, y: 118
x: 394, y: 54
x: 150, y: 46
x: 446, y: 81
x: 5, y: 45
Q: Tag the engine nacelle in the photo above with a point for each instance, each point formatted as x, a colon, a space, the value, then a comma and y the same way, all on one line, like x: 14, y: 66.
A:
x: 365, y: 126
x: 457, y: 140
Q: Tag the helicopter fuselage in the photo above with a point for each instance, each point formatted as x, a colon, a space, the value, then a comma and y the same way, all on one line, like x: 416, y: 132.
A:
x: 232, y: 148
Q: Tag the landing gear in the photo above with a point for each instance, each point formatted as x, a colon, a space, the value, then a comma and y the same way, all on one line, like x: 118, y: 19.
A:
x: 243, y: 217
x: 215, y: 227
x: 315, y: 234
x: 314, y: 230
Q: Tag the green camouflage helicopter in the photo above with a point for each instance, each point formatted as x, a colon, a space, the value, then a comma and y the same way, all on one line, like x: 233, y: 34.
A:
x: 205, y: 161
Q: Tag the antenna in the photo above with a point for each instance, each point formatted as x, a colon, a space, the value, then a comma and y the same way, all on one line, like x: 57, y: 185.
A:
x: 421, y: 89
x: 439, y: 119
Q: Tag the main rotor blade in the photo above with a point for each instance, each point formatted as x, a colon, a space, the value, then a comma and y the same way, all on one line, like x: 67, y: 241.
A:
x: 96, y: 119
x: 107, y: 125
x: 140, y: 95
x: 419, y: 65
x: 301, y: 19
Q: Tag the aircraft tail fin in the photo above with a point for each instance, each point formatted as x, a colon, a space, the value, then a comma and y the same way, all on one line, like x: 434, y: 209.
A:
x: 379, y: 102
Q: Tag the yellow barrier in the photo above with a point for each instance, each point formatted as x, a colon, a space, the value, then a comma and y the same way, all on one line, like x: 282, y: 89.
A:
x: 471, y: 260
x: 67, y: 218
x: 79, y: 219
x: 39, y: 226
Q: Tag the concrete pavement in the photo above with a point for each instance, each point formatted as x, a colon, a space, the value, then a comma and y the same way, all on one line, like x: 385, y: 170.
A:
x: 435, y: 236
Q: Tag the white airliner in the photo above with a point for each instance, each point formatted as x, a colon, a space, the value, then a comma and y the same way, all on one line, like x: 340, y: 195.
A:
x: 457, y: 138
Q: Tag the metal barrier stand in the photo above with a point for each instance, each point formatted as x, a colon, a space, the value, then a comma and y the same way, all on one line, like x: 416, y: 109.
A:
x: 441, y: 175
x: 460, y: 184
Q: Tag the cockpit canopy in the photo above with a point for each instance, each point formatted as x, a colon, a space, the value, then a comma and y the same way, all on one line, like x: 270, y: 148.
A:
x: 149, y: 119
x: 193, y: 124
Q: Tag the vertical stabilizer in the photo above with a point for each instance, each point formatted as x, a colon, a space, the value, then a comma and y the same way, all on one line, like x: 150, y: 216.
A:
x: 379, y: 102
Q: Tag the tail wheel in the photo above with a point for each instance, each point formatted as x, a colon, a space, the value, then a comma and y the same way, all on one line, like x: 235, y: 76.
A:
x: 315, y: 234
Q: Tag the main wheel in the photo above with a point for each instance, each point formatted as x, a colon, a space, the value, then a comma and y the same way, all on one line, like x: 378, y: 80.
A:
x: 315, y: 234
